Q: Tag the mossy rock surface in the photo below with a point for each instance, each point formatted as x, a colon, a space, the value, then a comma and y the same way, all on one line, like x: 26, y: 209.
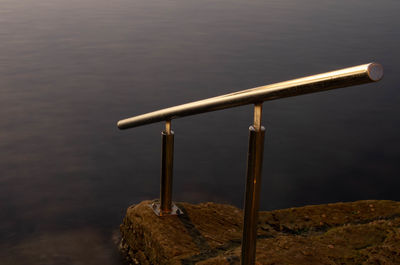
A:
x: 362, y: 232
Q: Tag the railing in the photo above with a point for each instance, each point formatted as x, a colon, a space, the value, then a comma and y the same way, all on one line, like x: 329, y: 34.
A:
x: 356, y: 75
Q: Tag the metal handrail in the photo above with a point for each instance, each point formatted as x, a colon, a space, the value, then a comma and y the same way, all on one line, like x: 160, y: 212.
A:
x: 336, y: 79
x: 356, y: 75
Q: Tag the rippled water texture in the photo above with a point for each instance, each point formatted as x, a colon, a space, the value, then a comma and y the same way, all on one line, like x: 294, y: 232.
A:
x: 70, y: 69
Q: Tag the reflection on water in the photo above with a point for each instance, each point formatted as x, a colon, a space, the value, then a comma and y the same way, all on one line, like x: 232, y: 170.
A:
x: 70, y: 69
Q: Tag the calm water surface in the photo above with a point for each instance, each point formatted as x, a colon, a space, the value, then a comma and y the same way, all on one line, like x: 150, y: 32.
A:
x: 70, y: 69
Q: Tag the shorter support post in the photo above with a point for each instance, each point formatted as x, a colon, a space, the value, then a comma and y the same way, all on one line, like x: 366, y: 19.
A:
x: 253, y: 187
x: 167, y: 160
x: 165, y: 206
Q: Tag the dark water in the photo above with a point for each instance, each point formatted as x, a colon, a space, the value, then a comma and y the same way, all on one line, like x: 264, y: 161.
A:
x: 70, y: 69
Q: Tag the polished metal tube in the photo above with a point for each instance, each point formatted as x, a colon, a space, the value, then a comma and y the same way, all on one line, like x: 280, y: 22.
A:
x: 167, y: 159
x: 252, y: 195
x: 257, y: 116
x: 340, y: 78
x: 168, y: 126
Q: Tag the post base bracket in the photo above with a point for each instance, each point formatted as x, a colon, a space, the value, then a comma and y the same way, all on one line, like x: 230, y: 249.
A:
x: 156, y: 206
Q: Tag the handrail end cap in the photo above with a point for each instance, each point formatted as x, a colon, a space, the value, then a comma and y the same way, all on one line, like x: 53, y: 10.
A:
x: 375, y: 71
x: 120, y: 125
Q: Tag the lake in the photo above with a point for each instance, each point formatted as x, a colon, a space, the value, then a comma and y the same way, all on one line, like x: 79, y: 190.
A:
x: 69, y: 70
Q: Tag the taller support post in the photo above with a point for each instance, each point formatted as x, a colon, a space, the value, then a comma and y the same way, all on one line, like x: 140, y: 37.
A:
x: 165, y: 206
x: 253, y: 187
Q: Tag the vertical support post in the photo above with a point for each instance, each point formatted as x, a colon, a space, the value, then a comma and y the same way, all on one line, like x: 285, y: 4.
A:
x: 165, y: 206
x: 167, y: 159
x: 253, y: 187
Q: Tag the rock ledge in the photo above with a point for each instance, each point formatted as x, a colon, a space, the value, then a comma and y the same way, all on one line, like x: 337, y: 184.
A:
x: 362, y: 232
